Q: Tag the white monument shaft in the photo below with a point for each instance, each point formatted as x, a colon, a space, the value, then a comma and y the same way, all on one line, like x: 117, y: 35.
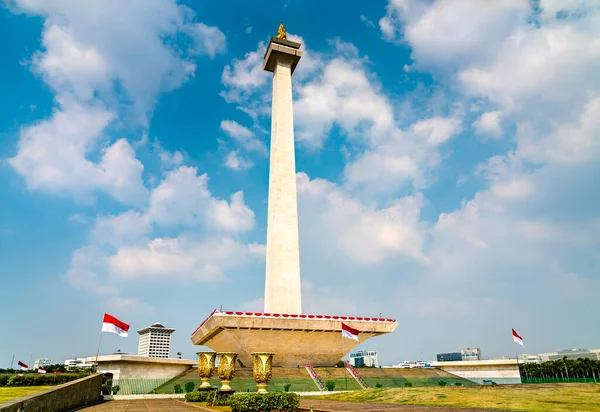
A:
x: 282, y: 280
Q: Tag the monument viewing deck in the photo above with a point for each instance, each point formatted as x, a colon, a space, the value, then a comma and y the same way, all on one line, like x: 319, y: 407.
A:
x: 295, y: 339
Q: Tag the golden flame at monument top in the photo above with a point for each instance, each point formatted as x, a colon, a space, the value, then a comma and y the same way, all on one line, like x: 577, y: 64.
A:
x: 281, y: 34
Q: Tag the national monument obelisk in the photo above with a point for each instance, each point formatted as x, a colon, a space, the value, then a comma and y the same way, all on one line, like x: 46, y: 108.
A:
x: 282, y: 280
x: 295, y: 338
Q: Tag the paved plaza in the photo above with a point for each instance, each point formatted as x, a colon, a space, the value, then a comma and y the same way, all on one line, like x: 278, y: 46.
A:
x: 143, y: 405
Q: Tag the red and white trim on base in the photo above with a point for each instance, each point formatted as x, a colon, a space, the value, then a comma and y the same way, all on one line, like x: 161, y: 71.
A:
x: 291, y: 316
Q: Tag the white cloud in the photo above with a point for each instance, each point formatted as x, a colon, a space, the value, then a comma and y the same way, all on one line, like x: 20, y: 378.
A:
x: 88, y: 47
x: 243, y: 136
x: 489, y: 124
x: 167, y: 158
x: 235, y: 162
x: 210, y: 40
x: 245, y: 75
x: 551, y: 7
x: 183, y: 199
x: 453, y: 32
x: 125, y: 246
x: 87, y: 60
x: 369, y: 23
x: 83, y: 270
x: 401, y: 156
x: 573, y: 142
x: 359, y: 232
x: 119, y: 229
x: 52, y: 156
x: 131, y: 306
x: 342, y: 95
x: 206, y: 260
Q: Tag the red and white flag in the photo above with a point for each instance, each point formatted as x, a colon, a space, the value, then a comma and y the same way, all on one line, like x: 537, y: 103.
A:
x: 41, y: 370
x: 114, y: 325
x: 22, y: 366
x: 349, y: 332
x: 517, y: 338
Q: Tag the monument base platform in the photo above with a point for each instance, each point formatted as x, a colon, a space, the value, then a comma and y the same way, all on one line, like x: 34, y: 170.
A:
x: 295, y: 339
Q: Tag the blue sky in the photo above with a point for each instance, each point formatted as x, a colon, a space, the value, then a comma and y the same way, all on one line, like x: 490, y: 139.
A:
x: 447, y: 153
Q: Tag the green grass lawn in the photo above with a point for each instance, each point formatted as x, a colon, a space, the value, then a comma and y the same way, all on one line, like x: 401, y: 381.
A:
x: 534, y: 398
x: 10, y: 393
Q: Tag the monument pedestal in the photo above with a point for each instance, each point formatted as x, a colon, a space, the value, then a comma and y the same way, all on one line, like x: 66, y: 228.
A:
x: 295, y: 339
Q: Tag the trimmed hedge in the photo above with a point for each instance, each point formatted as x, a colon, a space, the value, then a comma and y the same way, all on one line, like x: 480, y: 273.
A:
x: 264, y: 402
x: 38, y: 379
x: 200, y: 396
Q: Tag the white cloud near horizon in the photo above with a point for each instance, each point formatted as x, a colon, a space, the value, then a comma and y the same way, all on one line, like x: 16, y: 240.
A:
x: 206, y: 246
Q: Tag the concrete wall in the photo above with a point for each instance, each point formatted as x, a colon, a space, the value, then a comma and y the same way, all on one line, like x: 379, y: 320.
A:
x: 499, y: 371
x: 59, y: 398
x: 139, y: 367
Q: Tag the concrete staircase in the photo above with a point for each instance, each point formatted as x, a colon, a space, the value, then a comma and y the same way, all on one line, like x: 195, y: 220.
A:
x: 315, y: 377
x: 356, y: 376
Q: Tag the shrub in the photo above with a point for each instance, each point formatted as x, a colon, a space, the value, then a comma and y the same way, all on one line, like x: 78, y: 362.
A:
x: 4, y: 380
x: 254, y: 402
x: 287, y: 387
x: 189, y: 386
x: 115, y: 389
x: 408, y: 384
x: 31, y: 379
x: 442, y: 383
x: 458, y: 384
x: 330, y: 385
x: 378, y: 385
x: 199, y: 396
x: 177, y: 388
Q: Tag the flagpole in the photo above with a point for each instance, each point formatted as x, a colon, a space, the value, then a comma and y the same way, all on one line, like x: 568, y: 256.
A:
x: 344, y: 361
x: 98, y: 350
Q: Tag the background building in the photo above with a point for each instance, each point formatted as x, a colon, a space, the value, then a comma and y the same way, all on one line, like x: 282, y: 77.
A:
x: 449, y: 357
x: 470, y: 354
x: 155, y: 341
x: 41, y: 362
x: 545, y: 357
x: 530, y: 358
x: 78, y: 363
x: 366, y: 358
x: 575, y: 354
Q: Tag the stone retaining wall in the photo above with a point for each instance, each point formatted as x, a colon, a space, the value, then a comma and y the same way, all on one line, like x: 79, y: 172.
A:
x: 58, y: 398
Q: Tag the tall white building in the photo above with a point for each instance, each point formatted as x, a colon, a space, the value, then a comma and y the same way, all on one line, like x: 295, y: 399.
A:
x: 155, y: 341
x: 470, y: 354
x: 43, y: 362
x: 367, y: 358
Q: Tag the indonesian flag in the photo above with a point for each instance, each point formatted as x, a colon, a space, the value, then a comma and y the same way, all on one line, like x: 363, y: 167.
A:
x: 114, y: 325
x: 22, y: 366
x: 41, y: 370
x: 517, y: 338
x: 349, y: 332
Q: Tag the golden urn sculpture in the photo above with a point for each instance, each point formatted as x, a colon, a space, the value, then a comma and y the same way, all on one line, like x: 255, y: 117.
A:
x: 206, y: 367
x: 262, y: 369
x: 226, y: 369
